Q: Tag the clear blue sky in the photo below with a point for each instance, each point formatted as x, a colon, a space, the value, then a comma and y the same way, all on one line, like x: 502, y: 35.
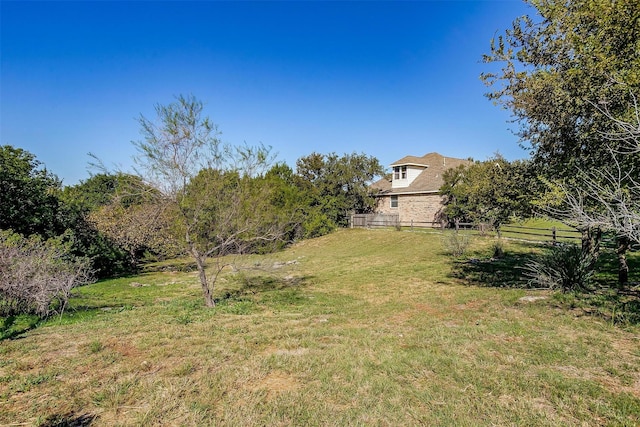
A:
x: 385, y: 78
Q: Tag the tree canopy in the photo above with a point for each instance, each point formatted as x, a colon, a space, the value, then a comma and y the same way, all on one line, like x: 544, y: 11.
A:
x: 492, y: 192
x: 563, y: 72
x: 28, y: 200
x: 571, y: 78
x: 339, y: 185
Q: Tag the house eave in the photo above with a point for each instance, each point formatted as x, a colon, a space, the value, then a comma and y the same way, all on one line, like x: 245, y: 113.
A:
x: 421, y: 165
x: 406, y: 193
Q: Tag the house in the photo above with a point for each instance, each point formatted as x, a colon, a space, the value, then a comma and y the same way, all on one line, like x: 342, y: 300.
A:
x: 413, y: 193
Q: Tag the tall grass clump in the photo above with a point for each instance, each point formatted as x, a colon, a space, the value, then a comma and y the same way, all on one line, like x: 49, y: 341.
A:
x: 455, y: 243
x: 497, y: 249
x: 565, y: 267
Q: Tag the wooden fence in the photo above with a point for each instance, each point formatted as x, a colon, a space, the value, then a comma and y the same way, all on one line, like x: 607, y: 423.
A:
x: 374, y: 220
x: 536, y: 234
x: 551, y: 235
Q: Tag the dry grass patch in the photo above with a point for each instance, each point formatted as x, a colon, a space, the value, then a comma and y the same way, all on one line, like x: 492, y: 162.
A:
x: 377, y: 330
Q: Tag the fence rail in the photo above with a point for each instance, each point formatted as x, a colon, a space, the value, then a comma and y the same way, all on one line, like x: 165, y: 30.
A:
x: 532, y: 234
x: 554, y: 234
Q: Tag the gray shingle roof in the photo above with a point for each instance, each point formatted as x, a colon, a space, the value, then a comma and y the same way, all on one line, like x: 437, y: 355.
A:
x: 429, y: 180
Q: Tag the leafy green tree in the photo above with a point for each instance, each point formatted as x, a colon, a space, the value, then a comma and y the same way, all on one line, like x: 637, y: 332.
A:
x: 338, y: 185
x: 212, y: 189
x: 80, y: 209
x: 562, y: 73
x: 492, y: 192
x: 571, y: 78
x: 139, y: 229
x: 28, y: 199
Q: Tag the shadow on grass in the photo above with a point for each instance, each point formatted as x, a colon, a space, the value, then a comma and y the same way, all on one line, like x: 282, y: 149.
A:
x: 13, y: 327
x: 619, y: 306
x: 608, y: 268
x: 256, y: 285
x: 503, y: 272
x: 68, y: 420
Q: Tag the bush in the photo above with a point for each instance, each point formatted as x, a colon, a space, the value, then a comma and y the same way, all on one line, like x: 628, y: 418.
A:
x: 455, y: 243
x: 36, y: 276
x: 498, y: 249
x: 563, y: 267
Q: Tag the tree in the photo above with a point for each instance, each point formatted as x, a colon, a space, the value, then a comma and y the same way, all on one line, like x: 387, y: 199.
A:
x: 212, y: 189
x: 28, y: 199
x: 560, y: 70
x: 606, y: 199
x: 36, y: 276
x: 135, y: 228
x: 571, y: 80
x: 492, y: 192
x: 339, y: 185
x: 79, y: 215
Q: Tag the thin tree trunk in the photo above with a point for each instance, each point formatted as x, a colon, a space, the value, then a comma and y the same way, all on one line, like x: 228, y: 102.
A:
x: 202, y: 274
x: 623, y: 267
x: 591, y: 237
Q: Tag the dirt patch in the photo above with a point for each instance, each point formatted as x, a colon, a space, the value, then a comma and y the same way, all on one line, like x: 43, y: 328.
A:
x: 123, y: 347
x: 275, y: 383
x: 471, y: 305
x: 138, y: 285
x: 428, y: 309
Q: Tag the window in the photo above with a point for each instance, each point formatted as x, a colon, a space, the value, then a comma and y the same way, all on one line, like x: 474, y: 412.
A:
x: 400, y: 172
x: 394, y: 201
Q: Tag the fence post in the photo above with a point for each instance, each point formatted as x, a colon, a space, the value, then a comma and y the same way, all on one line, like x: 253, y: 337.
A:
x: 411, y: 225
x: 553, y: 235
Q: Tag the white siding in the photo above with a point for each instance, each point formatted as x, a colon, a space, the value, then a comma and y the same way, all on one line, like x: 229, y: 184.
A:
x: 412, y: 174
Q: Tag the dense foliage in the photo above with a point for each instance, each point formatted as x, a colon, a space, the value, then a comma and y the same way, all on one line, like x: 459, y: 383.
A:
x: 28, y: 202
x: 490, y: 192
x: 563, y: 73
x: 571, y: 78
x: 338, y: 185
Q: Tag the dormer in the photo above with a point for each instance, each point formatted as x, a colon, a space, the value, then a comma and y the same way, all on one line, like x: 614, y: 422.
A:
x: 406, y: 170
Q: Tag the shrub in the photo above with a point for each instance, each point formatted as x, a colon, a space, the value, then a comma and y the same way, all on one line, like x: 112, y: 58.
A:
x: 455, y: 243
x: 563, y: 267
x: 36, y: 276
x: 498, y: 249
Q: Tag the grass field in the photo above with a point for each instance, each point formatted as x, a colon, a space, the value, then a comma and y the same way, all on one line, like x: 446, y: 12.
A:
x: 361, y: 327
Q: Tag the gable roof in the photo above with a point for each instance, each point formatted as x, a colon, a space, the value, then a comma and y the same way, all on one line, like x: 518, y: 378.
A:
x: 430, y: 179
x: 412, y: 160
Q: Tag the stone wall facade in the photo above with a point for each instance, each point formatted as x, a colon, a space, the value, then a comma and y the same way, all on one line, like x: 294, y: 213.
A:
x: 422, y: 209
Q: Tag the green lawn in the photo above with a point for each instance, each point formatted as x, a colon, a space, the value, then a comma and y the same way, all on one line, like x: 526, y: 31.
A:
x: 361, y: 327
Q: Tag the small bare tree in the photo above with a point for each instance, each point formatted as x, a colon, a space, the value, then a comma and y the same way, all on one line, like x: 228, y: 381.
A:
x: 213, y: 189
x: 37, y: 276
x: 608, y: 198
